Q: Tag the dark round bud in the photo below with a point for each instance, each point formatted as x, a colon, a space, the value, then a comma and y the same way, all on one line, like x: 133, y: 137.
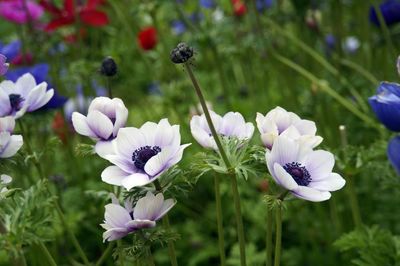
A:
x: 181, y: 54
x: 108, y: 67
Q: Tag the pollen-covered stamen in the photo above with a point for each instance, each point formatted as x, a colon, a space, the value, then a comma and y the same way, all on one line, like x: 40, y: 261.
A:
x: 299, y: 173
x: 15, y: 101
x: 143, y: 154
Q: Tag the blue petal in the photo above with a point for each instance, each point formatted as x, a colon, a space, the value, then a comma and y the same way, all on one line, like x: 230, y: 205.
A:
x: 390, y: 10
x: 387, y: 109
x: 11, y: 50
x: 393, y: 153
x: 391, y: 87
x: 207, y: 3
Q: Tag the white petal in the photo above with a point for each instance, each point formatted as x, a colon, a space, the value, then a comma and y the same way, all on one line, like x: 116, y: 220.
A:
x: 121, y: 113
x: 25, y: 84
x: 113, y: 175
x: 136, y: 180
x: 203, y: 137
x: 332, y: 182
x: 8, y: 87
x: 128, y: 140
x: 11, y: 148
x: 164, y: 134
x: 104, y: 148
x: 100, y: 124
x: 148, y: 207
x: 5, y: 179
x: 158, y: 163
x: 306, y: 127
x: 284, y: 178
x: 114, y: 234
x: 319, y: 164
x: 7, y: 124
x: 116, y: 215
x: 123, y: 163
x: 283, y: 151
x: 81, y: 126
x: 311, y: 194
x: 167, y: 205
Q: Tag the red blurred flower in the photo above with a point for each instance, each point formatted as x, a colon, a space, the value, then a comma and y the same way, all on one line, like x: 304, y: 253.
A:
x: 60, y: 127
x: 22, y: 59
x: 147, y: 38
x: 87, y: 14
x: 239, y: 8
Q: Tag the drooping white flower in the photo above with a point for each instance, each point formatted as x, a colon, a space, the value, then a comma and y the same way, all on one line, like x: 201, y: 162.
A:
x: 9, y: 144
x: 104, y: 119
x: 231, y: 124
x: 141, y: 155
x: 23, y: 96
x: 278, y: 121
x: 306, y: 173
x: 120, y: 221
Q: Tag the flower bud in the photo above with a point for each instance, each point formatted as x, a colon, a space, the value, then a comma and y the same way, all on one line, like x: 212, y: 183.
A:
x: 181, y: 54
x: 108, y: 67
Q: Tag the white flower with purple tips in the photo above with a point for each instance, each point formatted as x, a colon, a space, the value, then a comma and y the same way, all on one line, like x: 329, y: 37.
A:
x: 306, y: 173
x: 23, y: 96
x: 3, y: 65
x: 9, y: 144
x: 120, y: 221
x: 278, y: 121
x: 230, y: 125
x: 104, y: 119
x: 141, y: 155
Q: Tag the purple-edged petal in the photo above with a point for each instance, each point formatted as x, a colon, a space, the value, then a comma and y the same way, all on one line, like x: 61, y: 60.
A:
x: 122, y: 162
x: 114, y: 234
x: 100, y: 124
x: 141, y: 224
x: 7, y: 124
x: 311, y: 194
x: 283, y: 151
x: 167, y: 205
x: 319, y: 164
x: 128, y: 140
x: 158, y: 163
x: 116, y: 215
x: 9, y: 145
x: 148, y: 207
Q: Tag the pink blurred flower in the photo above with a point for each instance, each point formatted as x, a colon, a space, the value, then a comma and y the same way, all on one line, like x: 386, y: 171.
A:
x: 20, y: 11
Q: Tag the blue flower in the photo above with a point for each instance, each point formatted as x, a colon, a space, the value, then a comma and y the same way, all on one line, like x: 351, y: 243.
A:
x: 330, y: 41
x: 390, y: 10
x: 10, y: 50
x: 393, y: 153
x: 40, y: 73
x: 178, y: 27
x: 207, y: 3
x: 386, y: 105
x: 262, y: 5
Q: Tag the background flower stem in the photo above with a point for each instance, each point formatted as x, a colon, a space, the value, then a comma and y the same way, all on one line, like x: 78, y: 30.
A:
x: 105, y: 254
x: 221, y: 242
x: 269, y: 238
x: 47, y: 254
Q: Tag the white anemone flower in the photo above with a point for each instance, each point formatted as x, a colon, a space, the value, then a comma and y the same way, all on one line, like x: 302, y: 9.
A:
x: 4, y: 180
x: 9, y: 144
x: 230, y: 125
x: 306, y: 173
x: 104, y: 119
x: 279, y: 121
x: 23, y: 96
x: 141, y: 155
x: 120, y: 221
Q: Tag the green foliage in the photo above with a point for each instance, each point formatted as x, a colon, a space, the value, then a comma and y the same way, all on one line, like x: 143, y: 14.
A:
x: 373, y: 246
x: 27, y: 218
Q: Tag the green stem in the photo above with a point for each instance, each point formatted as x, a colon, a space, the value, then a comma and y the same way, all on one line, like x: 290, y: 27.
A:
x: 235, y: 191
x: 269, y: 239
x: 171, y: 246
x: 221, y: 242
x: 47, y: 254
x: 385, y: 30
x: 326, y: 88
x: 367, y: 75
x: 150, y: 259
x: 57, y: 206
x: 105, y: 254
x: 121, y: 258
x: 278, y: 241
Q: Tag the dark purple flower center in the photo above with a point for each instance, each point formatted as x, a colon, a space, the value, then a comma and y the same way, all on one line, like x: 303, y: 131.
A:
x: 143, y: 154
x: 299, y: 173
x: 15, y: 101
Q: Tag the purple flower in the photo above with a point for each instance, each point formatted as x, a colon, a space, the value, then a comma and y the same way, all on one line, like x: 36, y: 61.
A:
x: 120, y: 221
x: 393, y: 153
x: 390, y: 10
x: 262, y: 5
x: 104, y: 119
x: 10, y: 50
x: 231, y: 125
x: 40, y: 73
x: 278, y: 121
x: 23, y: 96
x: 307, y: 174
x: 9, y: 144
x: 386, y: 105
x: 178, y: 27
x: 20, y: 11
x: 3, y: 65
x: 142, y: 154
x: 330, y: 41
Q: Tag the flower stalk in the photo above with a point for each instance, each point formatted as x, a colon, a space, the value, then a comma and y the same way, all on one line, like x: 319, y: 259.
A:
x: 235, y: 191
x: 221, y: 242
x: 269, y: 238
x: 278, y: 240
